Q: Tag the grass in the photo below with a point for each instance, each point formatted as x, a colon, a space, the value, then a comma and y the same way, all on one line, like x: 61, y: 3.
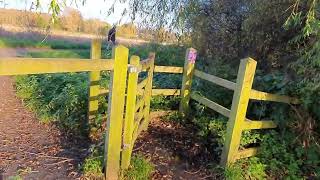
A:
x: 16, y: 177
x: 140, y: 169
x: 92, y: 167
x: 62, y: 54
x: 11, y: 42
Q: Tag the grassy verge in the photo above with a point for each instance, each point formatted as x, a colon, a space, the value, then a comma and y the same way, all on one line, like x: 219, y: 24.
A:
x: 37, y: 43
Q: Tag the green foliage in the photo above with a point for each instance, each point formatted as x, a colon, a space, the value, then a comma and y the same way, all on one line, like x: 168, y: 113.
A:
x: 234, y: 172
x: 92, y: 166
x: 37, y: 43
x: 140, y: 169
x: 250, y: 137
x: 56, y: 97
x: 61, y: 97
x: 287, y: 159
x: 170, y: 55
x: 164, y: 102
x: 16, y: 177
x: 246, y: 169
x: 15, y: 42
x: 62, y: 54
x: 174, y: 116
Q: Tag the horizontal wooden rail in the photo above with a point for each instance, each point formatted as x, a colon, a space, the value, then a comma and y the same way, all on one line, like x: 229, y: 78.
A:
x: 104, y: 91
x: 212, y: 105
x: 155, y: 92
x: 247, y: 153
x: 166, y: 92
x: 216, y: 80
x: 168, y: 69
x: 23, y: 66
x: 249, y: 124
x: 259, y: 95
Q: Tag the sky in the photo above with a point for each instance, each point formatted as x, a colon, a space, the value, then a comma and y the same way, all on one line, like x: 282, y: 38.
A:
x: 92, y: 8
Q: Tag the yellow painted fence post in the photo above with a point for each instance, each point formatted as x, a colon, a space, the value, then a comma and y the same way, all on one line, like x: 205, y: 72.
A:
x: 188, y: 71
x: 130, y: 112
x: 115, y: 112
x: 94, y: 83
x: 148, y: 91
x: 238, y: 112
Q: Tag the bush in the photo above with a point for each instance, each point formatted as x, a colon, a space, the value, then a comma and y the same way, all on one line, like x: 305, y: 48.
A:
x: 57, y: 97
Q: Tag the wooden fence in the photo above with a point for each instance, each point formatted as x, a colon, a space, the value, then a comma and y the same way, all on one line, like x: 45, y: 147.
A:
x: 243, y: 92
x: 129, y: 97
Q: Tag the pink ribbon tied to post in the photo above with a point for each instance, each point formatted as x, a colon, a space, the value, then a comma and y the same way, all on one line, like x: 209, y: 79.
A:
x: 192, y: 56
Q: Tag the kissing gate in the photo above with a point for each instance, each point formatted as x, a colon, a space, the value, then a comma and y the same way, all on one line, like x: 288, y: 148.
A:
x: 129, y: 97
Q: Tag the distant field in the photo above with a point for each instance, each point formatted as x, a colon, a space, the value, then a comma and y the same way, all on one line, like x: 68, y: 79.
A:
x: 75, y: 37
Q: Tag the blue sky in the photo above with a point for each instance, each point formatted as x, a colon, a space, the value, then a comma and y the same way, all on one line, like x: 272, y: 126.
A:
x: 92, y: 8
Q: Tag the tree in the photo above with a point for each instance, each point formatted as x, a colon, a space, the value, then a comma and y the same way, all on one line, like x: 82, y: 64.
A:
x: 71, y: 20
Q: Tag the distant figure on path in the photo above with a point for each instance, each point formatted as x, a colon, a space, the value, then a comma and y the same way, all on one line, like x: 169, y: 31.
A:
x: 112, y: 35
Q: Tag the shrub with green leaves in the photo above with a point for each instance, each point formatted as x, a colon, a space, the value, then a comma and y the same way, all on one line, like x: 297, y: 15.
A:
x: 246, y: 169
x: 57, y: 97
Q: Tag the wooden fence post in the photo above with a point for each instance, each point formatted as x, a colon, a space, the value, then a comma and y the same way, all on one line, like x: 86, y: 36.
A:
x: 238, y: 110
x: 188, y: 71
x: 94, y: 83
x: 130, y: 112
x: 115, y: 112
x: 148, y: 90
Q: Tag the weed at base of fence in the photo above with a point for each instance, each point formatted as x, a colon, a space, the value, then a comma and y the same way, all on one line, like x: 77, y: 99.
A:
x: 140, y: 168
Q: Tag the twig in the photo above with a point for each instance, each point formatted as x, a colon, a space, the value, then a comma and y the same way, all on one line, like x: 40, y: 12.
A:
x: 139, y: 147
x: 47, y: 156
x: 66, y: 160
x: 195, y: 172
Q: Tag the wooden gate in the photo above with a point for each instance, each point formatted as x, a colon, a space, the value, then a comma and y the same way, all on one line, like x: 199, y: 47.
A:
x: 129, y: 104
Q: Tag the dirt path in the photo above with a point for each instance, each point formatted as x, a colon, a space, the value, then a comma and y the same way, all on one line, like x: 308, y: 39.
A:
x: 176, y: 151
x: 27, y: 147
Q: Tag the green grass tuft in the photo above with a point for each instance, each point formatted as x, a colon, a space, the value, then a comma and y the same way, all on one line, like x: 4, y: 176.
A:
x: 140, y: 169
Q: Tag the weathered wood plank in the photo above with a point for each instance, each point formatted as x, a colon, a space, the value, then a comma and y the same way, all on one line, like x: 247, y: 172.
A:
x: 128, y: 128
x: 140, y: 104
x: 185, y: 94
x: 168, y: 69
x: 145, y: 64
x: 212, y: 105
x: 238, y: 110
x: 115, y: 112
x: 137, y: 130
x: 139, y: 115
x: 94, y: 76
x: 246, y: 153
x: 142, y: 84
x: 104, y: 91
x: 166, y: 92
x: 259, y: 95
x: 148, y: 92
x: 249, y: 124
x: 22, y: 66
x: 216, y: 80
